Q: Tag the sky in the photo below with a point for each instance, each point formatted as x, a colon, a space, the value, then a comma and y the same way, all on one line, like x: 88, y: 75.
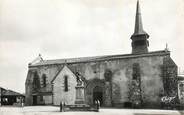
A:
x: 78, y: 28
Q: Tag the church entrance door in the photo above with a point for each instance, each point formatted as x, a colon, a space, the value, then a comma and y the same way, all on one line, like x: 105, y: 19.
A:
x: 98, y: 94
x: 34, y: 100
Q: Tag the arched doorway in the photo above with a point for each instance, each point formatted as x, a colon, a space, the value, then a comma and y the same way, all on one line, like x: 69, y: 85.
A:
x: 98, y: 94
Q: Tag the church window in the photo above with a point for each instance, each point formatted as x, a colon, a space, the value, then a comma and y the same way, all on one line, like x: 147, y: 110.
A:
x: 136, y: 71
x: 108, y: 74
x: 36, y: 81
x: 44, y: 80
x: 66, y: 83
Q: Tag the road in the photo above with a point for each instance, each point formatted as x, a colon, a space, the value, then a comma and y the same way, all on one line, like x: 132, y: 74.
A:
x: 51, y: 110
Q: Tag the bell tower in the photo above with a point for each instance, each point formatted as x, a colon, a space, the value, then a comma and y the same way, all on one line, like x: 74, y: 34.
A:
x: 139, y: 38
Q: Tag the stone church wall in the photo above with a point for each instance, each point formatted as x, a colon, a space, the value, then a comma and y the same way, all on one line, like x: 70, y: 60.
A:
x: 50, y: 71
x: 59, y: 93
x: 150, y: 71
x: 114, y: 76
x: 47, y: 99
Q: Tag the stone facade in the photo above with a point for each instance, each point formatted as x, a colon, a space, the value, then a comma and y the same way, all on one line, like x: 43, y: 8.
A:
x: 140, y: 79
x: 59, y: 92
x: 112, y: 76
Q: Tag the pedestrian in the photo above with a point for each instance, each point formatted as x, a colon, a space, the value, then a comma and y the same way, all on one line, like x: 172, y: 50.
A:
x: 64, y: 105
x: 61, y: 106
x: 97, y: 105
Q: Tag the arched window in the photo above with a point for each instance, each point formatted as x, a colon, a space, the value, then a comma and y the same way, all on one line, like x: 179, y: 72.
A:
x: 66, y: 82
x: 108, y: 75
x: 44, y: 80
x: 136, y: 71
x: 36, y: 81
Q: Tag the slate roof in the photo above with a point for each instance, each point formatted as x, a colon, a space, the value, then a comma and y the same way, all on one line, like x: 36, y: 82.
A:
x: 11, y: 93
x: 97, y: 58
x: 2, y: 88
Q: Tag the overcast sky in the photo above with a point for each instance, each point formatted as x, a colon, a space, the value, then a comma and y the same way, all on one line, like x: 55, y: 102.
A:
x: 77, y: 28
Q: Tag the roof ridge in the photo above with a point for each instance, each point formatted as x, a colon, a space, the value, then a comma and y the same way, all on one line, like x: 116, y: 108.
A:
x: 96, y: 58
x: 103, y: 56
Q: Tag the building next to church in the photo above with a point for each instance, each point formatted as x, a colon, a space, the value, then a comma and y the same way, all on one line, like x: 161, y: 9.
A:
x: 9, y: 97
x: 140, y: 78
x: 181, y: 88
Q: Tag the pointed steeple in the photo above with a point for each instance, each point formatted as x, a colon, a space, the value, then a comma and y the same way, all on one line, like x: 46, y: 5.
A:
x: 139, y: 38
x: 138, y: 30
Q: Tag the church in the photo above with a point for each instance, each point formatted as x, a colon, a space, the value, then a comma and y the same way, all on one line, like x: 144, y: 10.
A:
x: 140, y: 78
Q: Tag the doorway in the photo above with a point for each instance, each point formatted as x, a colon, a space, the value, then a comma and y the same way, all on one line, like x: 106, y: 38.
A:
x: 34, y: 100
x: 98, y: 95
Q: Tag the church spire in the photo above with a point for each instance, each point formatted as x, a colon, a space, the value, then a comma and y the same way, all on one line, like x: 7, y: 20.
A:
x: 139, y: 37
x: 138, y: 21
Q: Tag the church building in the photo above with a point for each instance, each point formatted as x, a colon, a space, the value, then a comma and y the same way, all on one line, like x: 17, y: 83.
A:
x: 140, y: 78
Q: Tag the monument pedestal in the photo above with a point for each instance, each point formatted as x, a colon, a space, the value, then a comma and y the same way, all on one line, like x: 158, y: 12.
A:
x: 79, y: 94
x: 80, y: 99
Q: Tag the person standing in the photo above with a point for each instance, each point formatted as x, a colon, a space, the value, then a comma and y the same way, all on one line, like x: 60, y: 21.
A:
x: 61, y: 106
x: 97, y: 105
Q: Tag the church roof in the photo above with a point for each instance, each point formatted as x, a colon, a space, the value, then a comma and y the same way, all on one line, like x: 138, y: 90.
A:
x: 98, y: 58
x: 60, y: 72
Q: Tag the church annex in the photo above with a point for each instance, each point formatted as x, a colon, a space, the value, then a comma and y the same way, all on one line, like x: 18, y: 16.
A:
x: 140, y: 78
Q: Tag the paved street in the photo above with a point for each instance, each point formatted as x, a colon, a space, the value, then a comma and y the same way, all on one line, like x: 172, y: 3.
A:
x: 50, y: 110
